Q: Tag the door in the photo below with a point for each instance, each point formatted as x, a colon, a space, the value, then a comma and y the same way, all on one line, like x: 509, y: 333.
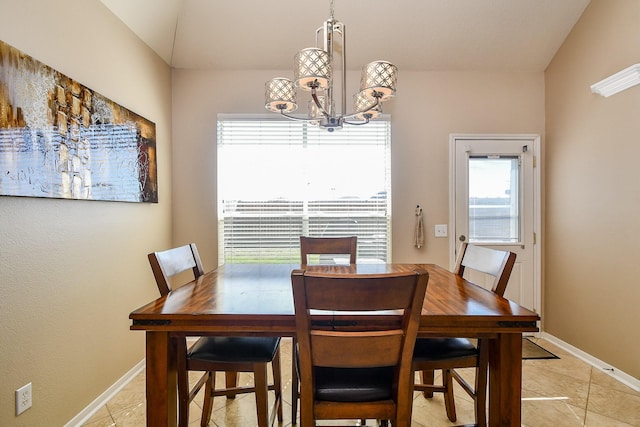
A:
x: 495, y: 203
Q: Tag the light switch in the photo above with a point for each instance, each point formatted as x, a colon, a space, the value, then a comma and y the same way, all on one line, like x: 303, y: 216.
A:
x: 441, y: 230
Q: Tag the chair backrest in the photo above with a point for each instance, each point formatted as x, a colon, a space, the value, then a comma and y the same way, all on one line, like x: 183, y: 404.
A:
x: 369, y: 345
x: 166, y: 264
x: 328, y: 246
x: 493, y: 262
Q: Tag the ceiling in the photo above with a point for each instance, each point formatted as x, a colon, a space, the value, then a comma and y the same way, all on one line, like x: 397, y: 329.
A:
x: 486, y: 35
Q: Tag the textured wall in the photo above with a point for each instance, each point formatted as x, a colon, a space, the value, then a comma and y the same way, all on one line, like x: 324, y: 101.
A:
x: 428, y: 107
x: 72, y: 271
x: 593, y: 192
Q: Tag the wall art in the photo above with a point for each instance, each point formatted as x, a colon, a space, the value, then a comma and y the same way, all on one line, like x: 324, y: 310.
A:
x: 60, y: 139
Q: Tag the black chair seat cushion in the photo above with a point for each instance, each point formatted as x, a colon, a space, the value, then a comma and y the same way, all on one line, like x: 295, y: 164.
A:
x: 234, y: 349
x: 354, y: 385
x: 433, y: 349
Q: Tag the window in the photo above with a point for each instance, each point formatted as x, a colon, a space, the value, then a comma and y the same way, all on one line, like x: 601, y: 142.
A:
x: 278, y: 180
x: 494, y: 201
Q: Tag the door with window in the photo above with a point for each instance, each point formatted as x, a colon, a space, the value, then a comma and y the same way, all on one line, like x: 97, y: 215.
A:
x: 495, y: 197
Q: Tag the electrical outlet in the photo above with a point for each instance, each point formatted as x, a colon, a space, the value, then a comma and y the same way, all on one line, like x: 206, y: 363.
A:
x: 23, y: 398
x: 441, y: 230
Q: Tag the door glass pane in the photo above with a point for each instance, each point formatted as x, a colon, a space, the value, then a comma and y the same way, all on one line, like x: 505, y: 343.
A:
x: 494, y: 199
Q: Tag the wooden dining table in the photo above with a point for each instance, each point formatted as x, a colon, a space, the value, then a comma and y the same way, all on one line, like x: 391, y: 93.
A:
x: 257, y: 300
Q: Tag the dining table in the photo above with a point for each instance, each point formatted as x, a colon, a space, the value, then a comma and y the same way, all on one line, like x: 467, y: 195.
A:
x: 257, y: 300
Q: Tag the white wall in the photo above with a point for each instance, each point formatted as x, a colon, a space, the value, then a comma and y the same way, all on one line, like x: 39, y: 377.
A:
x: 72, y: 271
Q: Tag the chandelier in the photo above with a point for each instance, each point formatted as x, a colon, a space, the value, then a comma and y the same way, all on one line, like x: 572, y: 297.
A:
x: 314, y: 72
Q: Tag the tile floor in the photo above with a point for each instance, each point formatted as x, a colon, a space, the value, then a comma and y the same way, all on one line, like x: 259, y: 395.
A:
x: 556, y: 392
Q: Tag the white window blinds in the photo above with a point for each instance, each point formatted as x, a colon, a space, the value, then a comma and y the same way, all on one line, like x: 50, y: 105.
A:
x: 278, y: 180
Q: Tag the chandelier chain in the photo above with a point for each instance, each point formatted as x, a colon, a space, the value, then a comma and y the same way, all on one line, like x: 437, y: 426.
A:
x: 331, y: 9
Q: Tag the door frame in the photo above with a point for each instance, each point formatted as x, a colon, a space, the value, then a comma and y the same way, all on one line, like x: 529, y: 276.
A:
x: 534, y: 140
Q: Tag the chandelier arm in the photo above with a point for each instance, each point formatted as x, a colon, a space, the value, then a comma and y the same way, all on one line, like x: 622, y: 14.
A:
x: 357, y: 123
x: 298, y: 119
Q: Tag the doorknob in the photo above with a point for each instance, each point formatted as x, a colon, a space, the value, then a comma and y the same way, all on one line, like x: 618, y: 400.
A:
x: 462, y: 238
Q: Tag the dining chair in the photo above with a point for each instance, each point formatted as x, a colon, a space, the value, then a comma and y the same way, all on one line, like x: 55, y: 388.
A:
x: 311, y: 246
x: 357, y: 369
x: 447, y: 354
x: 213, y: 354
x: 328, y: 246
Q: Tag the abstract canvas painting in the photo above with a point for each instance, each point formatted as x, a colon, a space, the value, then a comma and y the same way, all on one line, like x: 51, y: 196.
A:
x: 60, y: 139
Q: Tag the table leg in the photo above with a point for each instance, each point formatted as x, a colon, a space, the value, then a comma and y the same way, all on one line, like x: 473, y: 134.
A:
x: 162, y: 402
x: 505, y: 380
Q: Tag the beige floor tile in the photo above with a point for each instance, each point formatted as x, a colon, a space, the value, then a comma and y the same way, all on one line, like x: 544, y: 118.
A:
x: 597, y: 420
x: 605, y: 380
x: 130, y: 396
x: 567, y: 364
x: 102, y: 418
x: 540, y: 381
x: 551, y: 413
x: 431, y: 412
x: 615, y: 404
x: 133, y: 416
x: 557, y: 393
x: 104, y: 422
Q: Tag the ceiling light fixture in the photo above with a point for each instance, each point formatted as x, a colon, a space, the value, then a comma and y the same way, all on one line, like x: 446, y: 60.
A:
x: 618, y: 82
x: 314, y: 70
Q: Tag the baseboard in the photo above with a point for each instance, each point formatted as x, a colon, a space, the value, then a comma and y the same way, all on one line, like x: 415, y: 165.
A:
x: 619, y: 375
x: 101, y: 400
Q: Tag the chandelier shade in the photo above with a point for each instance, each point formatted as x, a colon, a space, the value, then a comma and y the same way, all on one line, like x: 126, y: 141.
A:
x: 314, y: 71
x: 381, y: 77
x: 365, y: 106
x: 280, y: 95
x: 312, y: 68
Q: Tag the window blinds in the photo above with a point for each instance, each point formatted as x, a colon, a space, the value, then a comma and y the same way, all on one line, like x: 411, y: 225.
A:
x: 278, y: 180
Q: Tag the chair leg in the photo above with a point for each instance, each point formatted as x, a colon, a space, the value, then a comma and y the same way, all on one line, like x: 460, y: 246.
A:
x: 231, y: 381
x: 277, y: 383
x: 306, y: 408
x: 208, y: 399
x: 261, y: 390
x: 449, y: 403
x: 427, y: 377
x: 295, y: 395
